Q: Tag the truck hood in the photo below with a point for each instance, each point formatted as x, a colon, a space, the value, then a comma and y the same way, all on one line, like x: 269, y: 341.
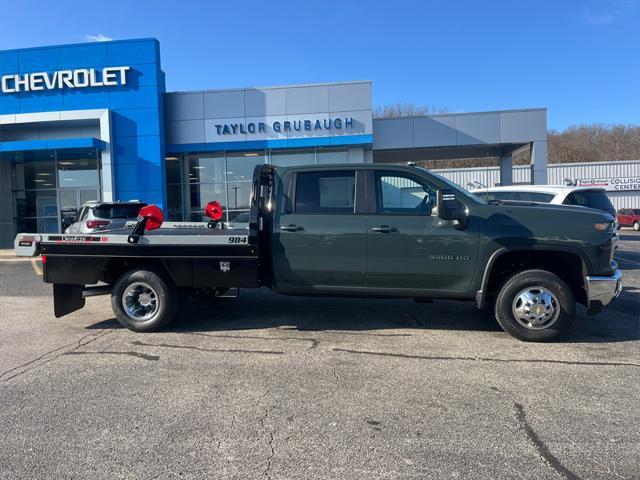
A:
x: 541, y: 208
x: 547, y: 223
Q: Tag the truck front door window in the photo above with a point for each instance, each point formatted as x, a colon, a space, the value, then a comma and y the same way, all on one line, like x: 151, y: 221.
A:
x: 402, y: 195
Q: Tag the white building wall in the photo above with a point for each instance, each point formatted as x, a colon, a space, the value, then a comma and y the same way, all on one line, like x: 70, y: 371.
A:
x: 490, y: 176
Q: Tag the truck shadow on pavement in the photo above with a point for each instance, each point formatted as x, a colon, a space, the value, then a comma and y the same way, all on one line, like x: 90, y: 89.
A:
x: 262, y: 309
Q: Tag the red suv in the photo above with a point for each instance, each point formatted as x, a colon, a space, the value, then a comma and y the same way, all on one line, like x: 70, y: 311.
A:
x: 629, y: 217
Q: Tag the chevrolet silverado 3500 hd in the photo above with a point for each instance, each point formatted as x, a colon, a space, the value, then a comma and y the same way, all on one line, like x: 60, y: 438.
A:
x: 350, y: 230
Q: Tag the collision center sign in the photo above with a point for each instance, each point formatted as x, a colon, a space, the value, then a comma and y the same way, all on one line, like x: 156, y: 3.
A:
x: 78, y: 78
x: 611, y: 184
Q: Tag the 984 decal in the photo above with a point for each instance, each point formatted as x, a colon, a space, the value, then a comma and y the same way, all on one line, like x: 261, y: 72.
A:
x: 238, y: 239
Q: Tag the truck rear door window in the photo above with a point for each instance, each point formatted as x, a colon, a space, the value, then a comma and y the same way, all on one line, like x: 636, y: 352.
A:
x: 325, y: 192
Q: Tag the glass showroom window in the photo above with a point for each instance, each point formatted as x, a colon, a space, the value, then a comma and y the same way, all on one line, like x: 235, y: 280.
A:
x: 329, y: 156
x: 240, y: 168
x: 175, y: 180
x: 49, y: 186
x: 205, y: 179
x: 292, y: 158
x: 196, y: 179
x: 225, y: 178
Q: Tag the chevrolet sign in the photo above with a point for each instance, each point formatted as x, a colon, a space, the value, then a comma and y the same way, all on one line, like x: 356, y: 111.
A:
x: 79, y: 78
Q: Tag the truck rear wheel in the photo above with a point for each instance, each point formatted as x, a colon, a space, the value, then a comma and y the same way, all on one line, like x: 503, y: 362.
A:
x: 144, y: 301
x: 535, y: 305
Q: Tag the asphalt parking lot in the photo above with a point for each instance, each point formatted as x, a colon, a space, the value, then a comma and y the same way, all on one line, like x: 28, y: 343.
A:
x: 267, y: 386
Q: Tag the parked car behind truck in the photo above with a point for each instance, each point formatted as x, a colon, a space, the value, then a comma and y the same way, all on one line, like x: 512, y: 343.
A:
x: 96, y: 216
x: 629, y: 217
x: 351, y: 230
x: 589, y: 197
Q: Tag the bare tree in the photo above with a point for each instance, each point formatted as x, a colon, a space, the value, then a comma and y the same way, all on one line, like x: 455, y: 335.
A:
x: 406, y: 109
x: 594, y: 143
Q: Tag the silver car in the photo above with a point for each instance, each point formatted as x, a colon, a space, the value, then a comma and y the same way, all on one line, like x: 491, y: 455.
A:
x: 97, y: 216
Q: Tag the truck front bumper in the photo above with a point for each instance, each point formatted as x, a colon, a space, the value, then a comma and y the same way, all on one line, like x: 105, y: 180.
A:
x: 603, y: 290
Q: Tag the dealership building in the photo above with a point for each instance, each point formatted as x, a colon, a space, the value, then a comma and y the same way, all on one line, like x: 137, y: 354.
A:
x: 93, y: 121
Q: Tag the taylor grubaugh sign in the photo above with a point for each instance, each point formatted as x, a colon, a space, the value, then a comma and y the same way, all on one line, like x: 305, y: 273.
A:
x: 611, y: 184
x: 284, y: 126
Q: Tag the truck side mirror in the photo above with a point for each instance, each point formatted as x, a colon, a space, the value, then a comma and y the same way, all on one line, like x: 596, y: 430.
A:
x: 449, y: 207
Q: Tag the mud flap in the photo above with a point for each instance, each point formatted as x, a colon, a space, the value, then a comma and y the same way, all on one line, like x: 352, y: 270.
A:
x: 67, y: 299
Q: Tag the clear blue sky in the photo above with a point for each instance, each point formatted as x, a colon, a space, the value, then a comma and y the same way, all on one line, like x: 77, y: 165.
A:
x: 580, y: 59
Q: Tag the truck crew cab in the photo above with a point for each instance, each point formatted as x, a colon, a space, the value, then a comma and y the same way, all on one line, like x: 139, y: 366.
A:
x: 350, y: 230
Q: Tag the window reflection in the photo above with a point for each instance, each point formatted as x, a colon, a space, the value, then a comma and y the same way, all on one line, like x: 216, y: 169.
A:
x: 206, y: 169
x: 203, y: 193
x: 173, y: 167
x: 332, y: 156
x: 36, y: 203
x: 240, y: 166
x: 174, y: 202
x: 293, y: 158
x: 77, y: 169
x: 239, y: 195
x: 193, y: 180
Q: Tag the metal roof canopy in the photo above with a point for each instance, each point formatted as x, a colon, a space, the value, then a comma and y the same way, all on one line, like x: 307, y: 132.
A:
x: 465, y: 135
x: 444, y: 153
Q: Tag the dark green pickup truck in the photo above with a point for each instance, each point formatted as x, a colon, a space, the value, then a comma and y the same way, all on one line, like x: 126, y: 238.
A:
x: 351, y: 230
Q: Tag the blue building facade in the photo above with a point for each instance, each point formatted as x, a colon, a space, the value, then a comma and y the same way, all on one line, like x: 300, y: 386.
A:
x: 134, y: 104
x: 93, y: 121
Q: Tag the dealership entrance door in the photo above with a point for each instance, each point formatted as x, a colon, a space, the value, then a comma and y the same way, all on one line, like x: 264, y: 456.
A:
x: 70, y: 201
x: 47, y: 187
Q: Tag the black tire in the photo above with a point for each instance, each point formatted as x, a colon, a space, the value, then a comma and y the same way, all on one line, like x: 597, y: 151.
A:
x: 636, y: 226
x: 524, y: 285
x: 161, y: 294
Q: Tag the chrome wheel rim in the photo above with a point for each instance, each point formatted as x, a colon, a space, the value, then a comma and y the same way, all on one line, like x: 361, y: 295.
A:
x: 535, y: 308
x: 140, y: 301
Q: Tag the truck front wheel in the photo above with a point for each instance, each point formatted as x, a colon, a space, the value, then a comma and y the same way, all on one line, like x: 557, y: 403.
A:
x: 535, y: 305
x: 144, y: 301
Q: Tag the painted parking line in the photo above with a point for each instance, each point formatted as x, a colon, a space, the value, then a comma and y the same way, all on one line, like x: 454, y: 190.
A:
x: 36, y: 267
x: 621, y: 259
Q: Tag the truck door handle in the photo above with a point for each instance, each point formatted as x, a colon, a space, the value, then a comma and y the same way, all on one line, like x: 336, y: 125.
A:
x: 384, y: 229
x: 291, y: 228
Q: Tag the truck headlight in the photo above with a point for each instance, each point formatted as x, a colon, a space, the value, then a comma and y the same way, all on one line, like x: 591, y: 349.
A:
x: 604, y: 226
